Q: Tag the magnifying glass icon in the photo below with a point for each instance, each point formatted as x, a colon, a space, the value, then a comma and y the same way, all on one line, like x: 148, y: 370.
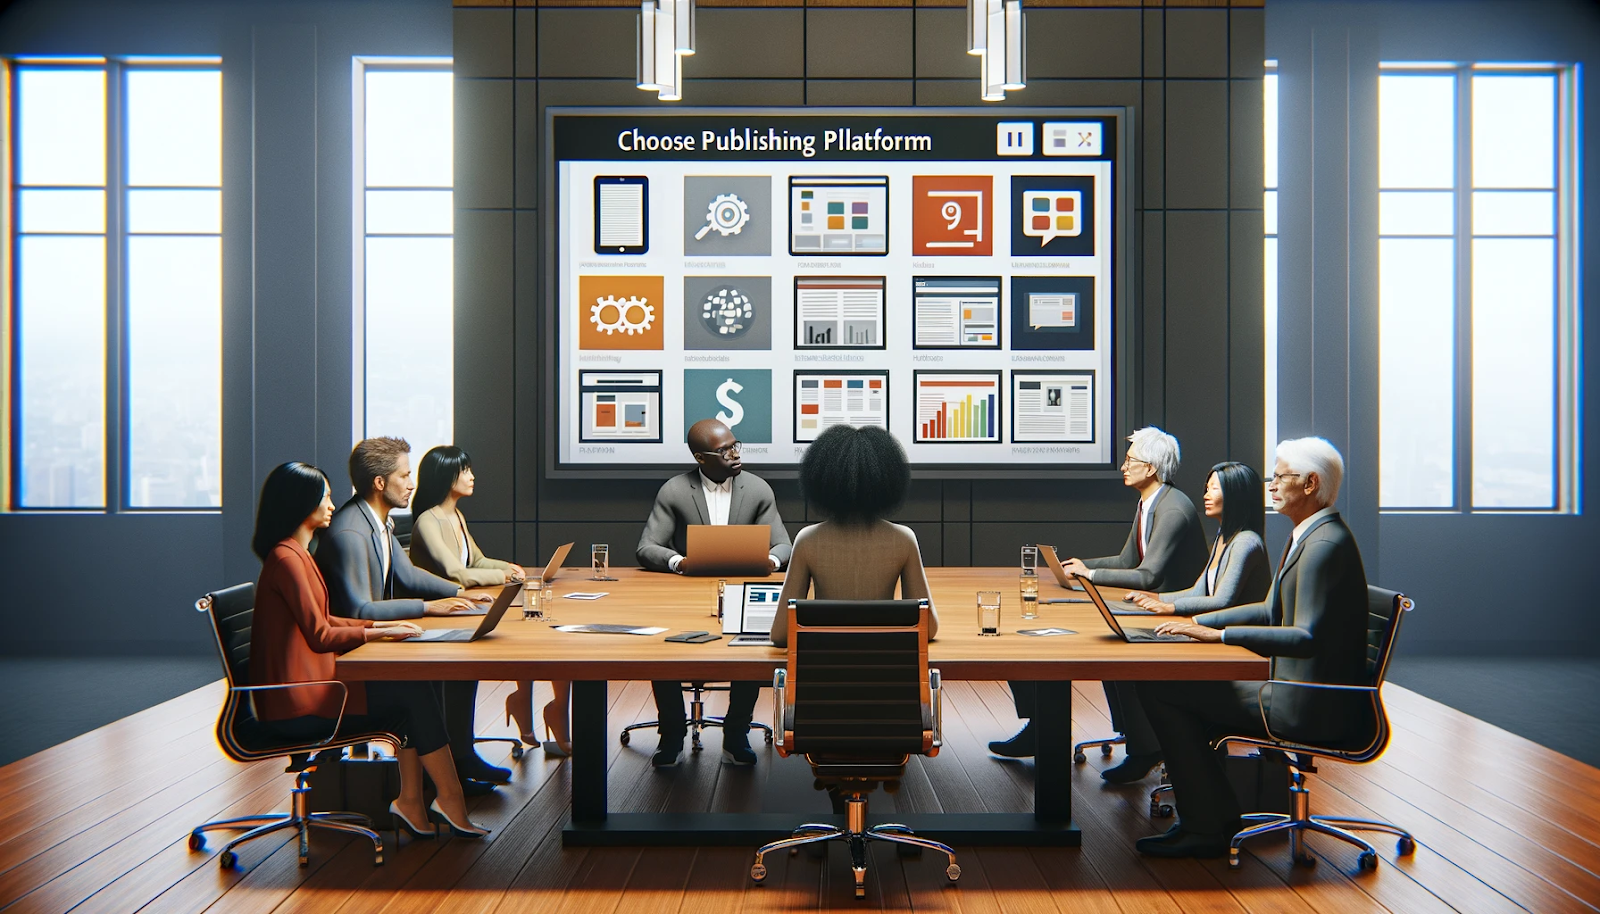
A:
x: 727, y: 214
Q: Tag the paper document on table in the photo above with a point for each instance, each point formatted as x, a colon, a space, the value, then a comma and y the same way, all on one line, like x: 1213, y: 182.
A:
x: 598, y: 629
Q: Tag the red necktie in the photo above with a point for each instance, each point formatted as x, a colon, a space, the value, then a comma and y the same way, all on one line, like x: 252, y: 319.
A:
x: 1138, y: 529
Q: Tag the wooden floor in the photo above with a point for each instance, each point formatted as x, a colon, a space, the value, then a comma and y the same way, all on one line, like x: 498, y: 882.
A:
x: 100, y: 824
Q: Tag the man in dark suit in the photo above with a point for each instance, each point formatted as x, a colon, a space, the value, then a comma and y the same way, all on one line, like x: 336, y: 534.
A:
x: 1313, y: 625
x: 1165, y: 550
x: 369, y: 576
x: 716, y: 491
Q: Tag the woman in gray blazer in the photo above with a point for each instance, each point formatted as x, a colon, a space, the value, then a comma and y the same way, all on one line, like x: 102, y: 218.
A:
x: 441, y: 543
x: 1237, y: 571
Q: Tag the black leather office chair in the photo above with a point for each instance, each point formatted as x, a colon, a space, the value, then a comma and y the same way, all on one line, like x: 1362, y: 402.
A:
x: 697, y: 716
x: 1385, y: 610
x: 244, y: 740
x: 858, y: 700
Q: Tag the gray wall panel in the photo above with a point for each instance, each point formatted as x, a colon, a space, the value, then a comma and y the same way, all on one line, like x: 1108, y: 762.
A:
x: 622, y: 537
x: 997, y: 500
x: 998, y: 543
x: 1247, y: 42
x: 755, y: 93
x: 1197, y: 43
x: 1152, y: 311
x: 527, y: 366
x: 483, y: 41
x: 858, y: 43
x: 1103, y: 43
x: 942, y: 44
x: 588, y: 42
x: 1155, y: 47
x: 525, y: 149
x: 1197, y: 144
x: 525, y: 64
x: 484, y: 345
x: 483, y: 115
x: 747, y: 43
x: 1246, y: 359
x: 1245, y: 176
x: 1197, y: 349
x: 1152, y: 145
x: 873, y: 92
x: 495, y: 538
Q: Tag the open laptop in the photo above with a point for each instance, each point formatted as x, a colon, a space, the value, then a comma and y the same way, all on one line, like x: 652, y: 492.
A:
x: 1071, y: 583
x: 747, y: 613
x: 490, y: 620
x: 728, y: 549
x: 1127, y: 634
x: 554, y: 568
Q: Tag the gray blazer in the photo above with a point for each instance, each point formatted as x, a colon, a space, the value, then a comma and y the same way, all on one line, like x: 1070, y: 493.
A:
x: 350, y: 554
x: 682, y: 502
x: 1313, y: 624
x: 1176, y: 552
x: 1242, y: 577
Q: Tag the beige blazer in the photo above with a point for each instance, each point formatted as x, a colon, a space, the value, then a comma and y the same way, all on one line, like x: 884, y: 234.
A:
x: 436, y: 547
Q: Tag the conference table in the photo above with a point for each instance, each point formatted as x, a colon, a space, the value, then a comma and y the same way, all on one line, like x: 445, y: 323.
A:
x: 522, y: 650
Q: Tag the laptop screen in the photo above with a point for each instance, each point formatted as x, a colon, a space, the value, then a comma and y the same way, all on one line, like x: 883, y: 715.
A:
x: 760, y: 607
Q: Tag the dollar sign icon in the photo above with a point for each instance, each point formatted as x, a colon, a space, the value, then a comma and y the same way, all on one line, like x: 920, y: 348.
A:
x: 725, y: 392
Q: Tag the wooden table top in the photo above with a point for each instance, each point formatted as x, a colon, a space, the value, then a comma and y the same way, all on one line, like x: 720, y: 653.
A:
x: 519, y: 649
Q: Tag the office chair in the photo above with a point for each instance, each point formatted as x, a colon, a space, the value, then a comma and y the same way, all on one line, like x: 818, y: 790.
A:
x: 857, y: 700
x: 1385, y: 609
x: 697, y: 716
x: 244, y: 740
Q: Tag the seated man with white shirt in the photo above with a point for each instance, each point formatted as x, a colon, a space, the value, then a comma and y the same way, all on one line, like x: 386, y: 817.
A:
x: 715, y: 492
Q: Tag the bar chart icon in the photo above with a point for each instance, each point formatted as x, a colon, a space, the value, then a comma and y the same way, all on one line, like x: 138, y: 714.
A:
x: 957, y: 407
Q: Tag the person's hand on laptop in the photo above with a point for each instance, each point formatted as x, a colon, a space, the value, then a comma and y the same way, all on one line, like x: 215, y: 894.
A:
x: 393, y: 631
x: 516, y: 573
x: 776, y: 562
x: 1149, y: 601
x: 479, y: 597
x: 446, y: 606
x: 1190, y: 630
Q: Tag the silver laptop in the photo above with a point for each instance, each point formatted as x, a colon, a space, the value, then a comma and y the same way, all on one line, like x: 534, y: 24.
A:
x: 748, y: 611
x: 1127, y: 634
x: 490, y: 620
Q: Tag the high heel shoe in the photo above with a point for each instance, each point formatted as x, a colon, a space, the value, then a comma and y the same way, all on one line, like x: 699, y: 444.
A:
x: 470, y: 831
x: 400, y: 821
x: 520, y: 708
x: 554, y: 748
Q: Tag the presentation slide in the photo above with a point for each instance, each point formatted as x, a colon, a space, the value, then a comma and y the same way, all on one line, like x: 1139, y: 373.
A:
x: 945, y: 274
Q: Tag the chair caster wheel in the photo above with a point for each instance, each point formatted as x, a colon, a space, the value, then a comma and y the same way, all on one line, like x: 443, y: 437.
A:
x: 377, y: 858
x: 228, y: 860
x: 625, y: 737
x: 953, y: 872
x: 1233, y: 858
x: 1105, y: 750
x: 769, y: 737
x: 1079, y: 758
x: 1405, y: 847
x: 758, y: 873
x: 1160, y: 811
x: 516, y: 751
x: 1368, y: 860
x: 196, y: 841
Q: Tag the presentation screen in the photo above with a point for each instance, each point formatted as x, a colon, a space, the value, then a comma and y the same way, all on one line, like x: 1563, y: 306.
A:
x: 949, y: 275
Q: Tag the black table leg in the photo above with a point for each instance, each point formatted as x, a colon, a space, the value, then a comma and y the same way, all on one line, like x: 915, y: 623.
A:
x: 588, y: 765
x: 1052, y: 758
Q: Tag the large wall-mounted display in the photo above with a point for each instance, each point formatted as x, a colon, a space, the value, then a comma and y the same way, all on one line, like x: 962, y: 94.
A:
x: 951, y: 275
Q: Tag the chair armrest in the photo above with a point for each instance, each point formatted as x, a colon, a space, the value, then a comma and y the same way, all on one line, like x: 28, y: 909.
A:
x: 1261, y: 705
x: 936, y: 696
x: 780, y: 683
x: 344, y: 697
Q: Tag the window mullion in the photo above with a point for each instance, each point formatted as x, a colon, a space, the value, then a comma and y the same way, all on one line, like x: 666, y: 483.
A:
x: 1463, y: 379
x: 116, y: 458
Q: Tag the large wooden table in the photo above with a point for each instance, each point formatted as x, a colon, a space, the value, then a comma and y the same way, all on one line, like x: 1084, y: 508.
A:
x: 527, y: 650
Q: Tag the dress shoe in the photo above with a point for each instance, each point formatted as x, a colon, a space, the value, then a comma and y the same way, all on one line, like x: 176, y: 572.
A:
x: 668, y: 752
x: 1019, y: 746
x: 473, y: 766
x: 467, y: 830
x: 1133, y: 768
x: 401, y: 822
x: 1185, y: 844
x: 736, y: 749
x: 474, y: 788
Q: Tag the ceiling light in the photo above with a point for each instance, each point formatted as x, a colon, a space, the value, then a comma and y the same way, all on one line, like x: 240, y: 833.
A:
x: 665, y: 37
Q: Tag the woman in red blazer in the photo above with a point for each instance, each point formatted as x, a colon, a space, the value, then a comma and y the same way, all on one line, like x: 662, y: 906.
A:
x: 294, y: 639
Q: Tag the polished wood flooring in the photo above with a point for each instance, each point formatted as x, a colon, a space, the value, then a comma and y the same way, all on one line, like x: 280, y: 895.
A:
x: 100, y: 824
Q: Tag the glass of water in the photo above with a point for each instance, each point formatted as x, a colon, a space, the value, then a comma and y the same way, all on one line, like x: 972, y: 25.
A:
x: 600, y: 557
x: 988, y: 612
x: 532, y: 609
x: 1028, y: 587
x: 1030, y: 559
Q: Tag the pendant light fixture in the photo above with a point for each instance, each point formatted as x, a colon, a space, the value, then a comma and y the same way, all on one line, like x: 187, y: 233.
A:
x: 665, y: 37
x: 995, y: 34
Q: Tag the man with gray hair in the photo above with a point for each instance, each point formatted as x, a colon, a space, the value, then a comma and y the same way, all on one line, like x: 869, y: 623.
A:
x: 1313, y: 625
x: 1165, y: 550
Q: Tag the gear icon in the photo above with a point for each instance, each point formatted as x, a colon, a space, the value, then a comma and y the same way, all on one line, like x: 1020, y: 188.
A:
x: 631, y: 315
x: 726, y: 215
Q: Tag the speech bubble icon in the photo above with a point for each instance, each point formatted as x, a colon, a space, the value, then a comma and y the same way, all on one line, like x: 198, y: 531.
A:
x: 1052, y: 309
x: 1051, y: 214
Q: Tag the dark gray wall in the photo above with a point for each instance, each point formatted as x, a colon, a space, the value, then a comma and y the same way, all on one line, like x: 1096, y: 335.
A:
x: 1484, y: 584
x: 286, y: 302
x: 1192, y: 76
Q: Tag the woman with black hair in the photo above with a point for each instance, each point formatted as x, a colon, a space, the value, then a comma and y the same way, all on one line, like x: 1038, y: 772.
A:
x: 854, y: 477
x: 441, y: 543
x: 1237, y: 571
x: 294, y: 639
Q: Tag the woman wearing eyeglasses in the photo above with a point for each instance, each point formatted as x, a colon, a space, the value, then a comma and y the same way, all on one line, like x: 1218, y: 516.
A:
x: 1237, y: 571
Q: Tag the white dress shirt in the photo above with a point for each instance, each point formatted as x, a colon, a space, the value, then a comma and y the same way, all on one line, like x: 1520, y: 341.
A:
x: 388, y: 531
x: 1301, y: 528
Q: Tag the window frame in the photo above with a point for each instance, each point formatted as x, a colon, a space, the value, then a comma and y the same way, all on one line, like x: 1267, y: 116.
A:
x: 1567, y: 427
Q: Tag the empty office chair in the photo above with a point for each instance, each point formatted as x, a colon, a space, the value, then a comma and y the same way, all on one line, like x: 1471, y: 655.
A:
x: 697, y: 716
x: 857, y: 700
x: 244, y: 740
x: 1385, y: 609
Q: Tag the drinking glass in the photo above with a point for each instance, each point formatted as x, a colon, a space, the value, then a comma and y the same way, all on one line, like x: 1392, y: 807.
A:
x: 721, y: 594
x: 600, y: 557
x: 532, y: 609
x: 988, y: 612
x: 547, y: 604
x: 1030, y: 559
x: 1028, y: 586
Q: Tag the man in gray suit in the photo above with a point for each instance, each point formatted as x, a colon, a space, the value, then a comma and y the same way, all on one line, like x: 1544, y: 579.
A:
x: 716, y: 491
x: 1165, y: 550
x: 1313, y: 625
x: 369, y: 576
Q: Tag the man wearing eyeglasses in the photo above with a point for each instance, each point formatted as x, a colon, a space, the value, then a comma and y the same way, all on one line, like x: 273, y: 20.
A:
x: 1166, y: 549
x: 717, y: 491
